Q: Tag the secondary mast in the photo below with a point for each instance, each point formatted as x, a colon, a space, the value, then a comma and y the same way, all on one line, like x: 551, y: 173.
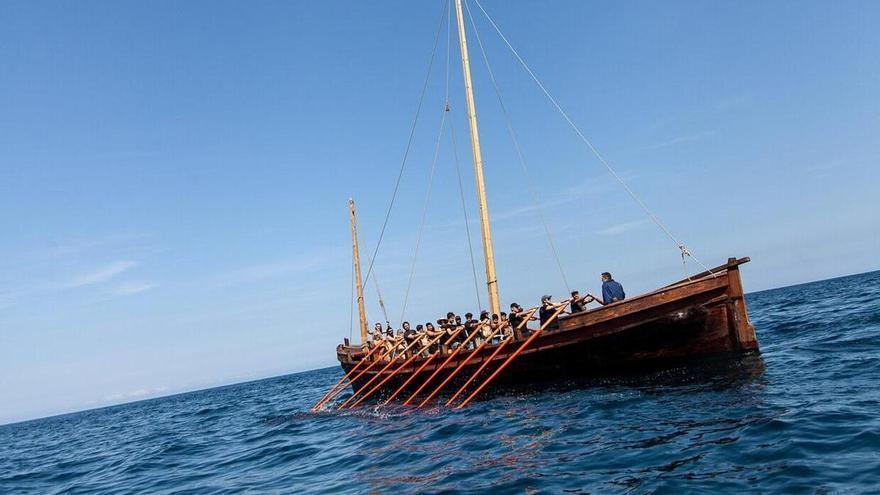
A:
x: 356, y: 258
x: 488, y: 250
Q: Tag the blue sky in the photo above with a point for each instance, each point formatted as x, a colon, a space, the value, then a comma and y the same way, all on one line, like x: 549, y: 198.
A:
x: 175, y: 174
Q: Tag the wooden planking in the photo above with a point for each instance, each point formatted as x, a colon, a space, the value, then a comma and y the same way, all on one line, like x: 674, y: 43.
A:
x: 643, y: 303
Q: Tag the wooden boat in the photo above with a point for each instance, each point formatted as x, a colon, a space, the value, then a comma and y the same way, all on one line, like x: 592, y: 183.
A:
x: 701, y: 315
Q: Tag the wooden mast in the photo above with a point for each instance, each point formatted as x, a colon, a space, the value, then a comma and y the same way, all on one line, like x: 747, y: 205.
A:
x: 356, y: 258
x: 488, y: 250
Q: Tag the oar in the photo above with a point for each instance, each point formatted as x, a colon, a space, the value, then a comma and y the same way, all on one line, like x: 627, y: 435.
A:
x: 487, y: 361
x: 377, y: 375
x: 352, y: 370
x: 385, y: 380
x: 460, y: 366
x: 368, y: 368
x: 440, y: 368
x: 516, y: 353
x: 416, y: 372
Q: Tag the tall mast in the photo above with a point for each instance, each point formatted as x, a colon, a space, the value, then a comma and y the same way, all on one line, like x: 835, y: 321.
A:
x: 356, y: 257
x: 488, y: 250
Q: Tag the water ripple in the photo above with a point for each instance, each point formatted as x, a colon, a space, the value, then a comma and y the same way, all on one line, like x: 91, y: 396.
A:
x: 800, y: 417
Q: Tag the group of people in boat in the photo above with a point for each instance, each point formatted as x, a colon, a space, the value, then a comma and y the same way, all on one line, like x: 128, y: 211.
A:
x: 454, y: 331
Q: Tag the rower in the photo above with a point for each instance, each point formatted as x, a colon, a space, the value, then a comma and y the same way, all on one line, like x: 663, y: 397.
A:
x: 422, y: 337
x: 432, y: 334
x: 409, y: 335
x: 612, y: 291
x: 470, y: 326
x: 462, y: 335
x: 493, y: 326
x: 546, y: 312
x: 517, y: 316
x: 578, y: 303
x: 389, y: 343
x: 399, y: 343
x: 482, y: 327
x: 505, y: 327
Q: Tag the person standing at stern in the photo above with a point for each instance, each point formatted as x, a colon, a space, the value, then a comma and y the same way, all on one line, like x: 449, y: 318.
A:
x: 612, y: 291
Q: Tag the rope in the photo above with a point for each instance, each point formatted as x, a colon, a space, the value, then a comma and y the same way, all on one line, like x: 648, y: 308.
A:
x: 467, y: 227
x: 412, y: 268
x: 408, y: 142
x: 532, y: 191
x: 595, y: 151
x: 379, y: 294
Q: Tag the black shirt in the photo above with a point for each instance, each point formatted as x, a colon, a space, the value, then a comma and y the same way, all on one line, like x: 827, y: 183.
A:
x: 578, y: 306
x: 469, y: 326
x: 546, y: 312
x: 515, y: 319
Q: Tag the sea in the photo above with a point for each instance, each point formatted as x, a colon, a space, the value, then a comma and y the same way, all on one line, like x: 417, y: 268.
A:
x: 802, y: 416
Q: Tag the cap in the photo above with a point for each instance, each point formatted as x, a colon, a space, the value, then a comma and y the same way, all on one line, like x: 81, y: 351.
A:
x: 546, y: 297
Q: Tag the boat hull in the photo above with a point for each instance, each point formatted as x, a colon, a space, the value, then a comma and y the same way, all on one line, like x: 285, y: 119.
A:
x: 700, y: 316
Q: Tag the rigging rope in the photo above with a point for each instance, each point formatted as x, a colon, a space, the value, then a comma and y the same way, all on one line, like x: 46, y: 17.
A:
x: 467, y: 227
x: 379, y: 294
x: 412, y: 268
x: 409, y: 141
x: 532, y: 191
x: 682, y: 248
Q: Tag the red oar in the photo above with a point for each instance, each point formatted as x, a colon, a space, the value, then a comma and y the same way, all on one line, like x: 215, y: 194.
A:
x: 448, y: 359
x: 416, y: 372
x: 516, y: 353
x: 376, y: 361
x: 385, y: 380
x: 460, y: 366
x: 490, y: 358
x: 350, y: 372
x: 377, y: 375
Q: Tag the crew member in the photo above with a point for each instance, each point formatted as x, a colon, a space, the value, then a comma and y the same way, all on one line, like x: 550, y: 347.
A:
x: 423, y: 340
x: 432, y: 334
x: 612, y: 291
x: 517, y: 318
x: 505, y: 327
x: 409, y: 336
x: 546, y: 312
x: 578, y: 303
x: 470, y: 326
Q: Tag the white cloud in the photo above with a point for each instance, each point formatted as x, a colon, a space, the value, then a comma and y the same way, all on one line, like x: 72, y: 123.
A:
x: 690, y: 138
x: 99, y: 275
x: 128, y: 288
x: 621, y: 227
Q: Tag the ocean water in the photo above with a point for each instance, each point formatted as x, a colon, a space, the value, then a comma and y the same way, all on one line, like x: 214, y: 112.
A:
x: 801, y: 417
